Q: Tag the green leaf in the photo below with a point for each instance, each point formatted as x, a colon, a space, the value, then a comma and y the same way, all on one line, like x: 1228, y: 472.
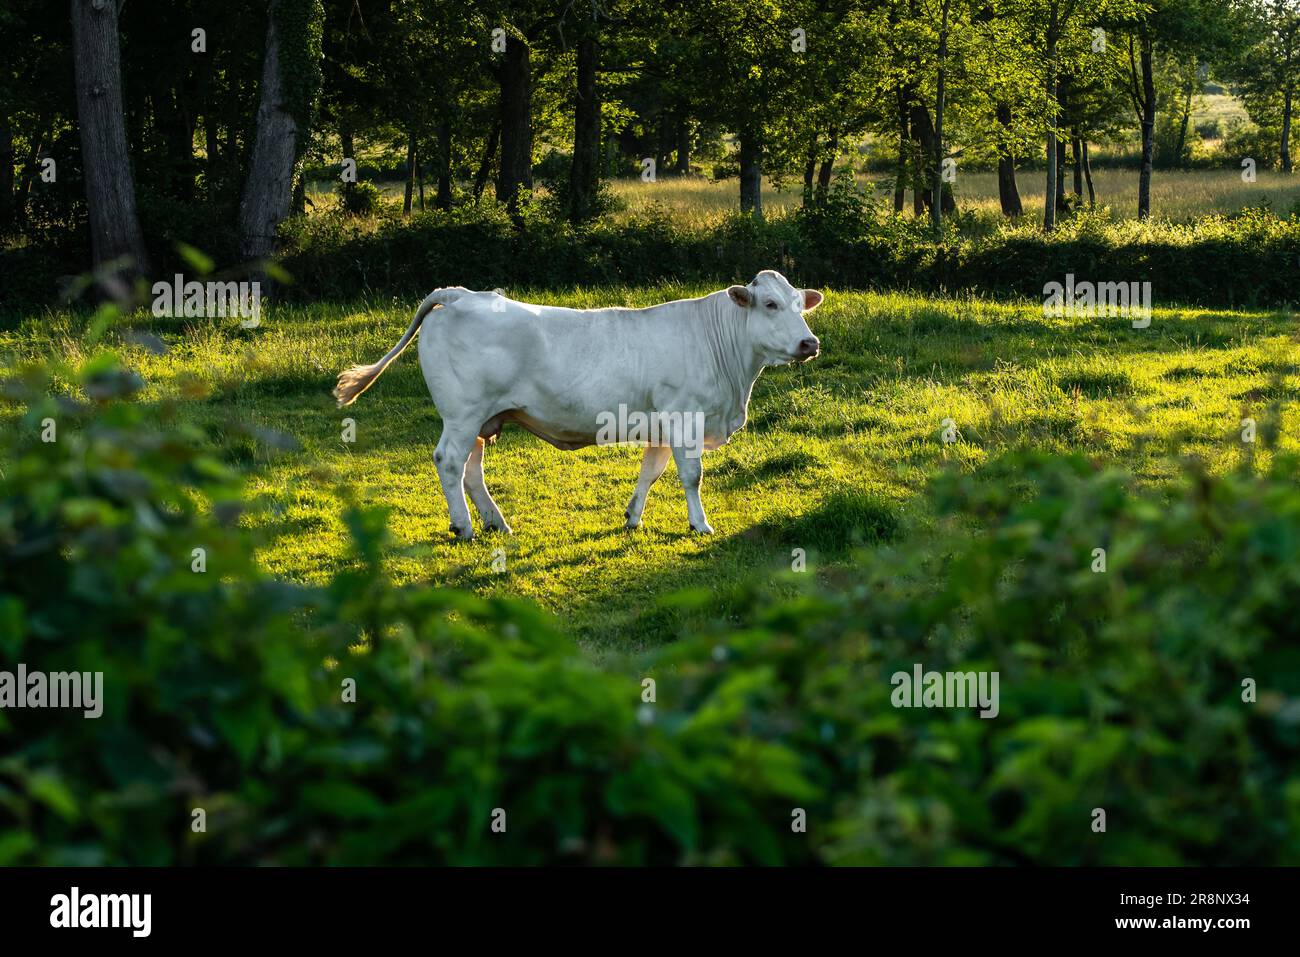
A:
x: 199, y: 262
x: 342, y: 800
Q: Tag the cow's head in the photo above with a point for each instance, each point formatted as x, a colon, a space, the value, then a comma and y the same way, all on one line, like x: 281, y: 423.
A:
x: 774, y: 315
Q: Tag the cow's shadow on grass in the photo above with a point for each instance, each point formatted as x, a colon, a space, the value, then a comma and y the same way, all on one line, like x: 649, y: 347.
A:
x: 734, y: 472
x: 723, y: 566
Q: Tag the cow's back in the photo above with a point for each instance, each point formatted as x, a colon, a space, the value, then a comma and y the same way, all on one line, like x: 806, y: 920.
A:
x: 564, y: 366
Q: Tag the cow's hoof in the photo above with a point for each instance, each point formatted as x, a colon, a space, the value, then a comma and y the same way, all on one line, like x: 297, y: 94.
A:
x: 463, y: 534
x: 500, y: 526
x: 705, y: 529
x: 632, y: 524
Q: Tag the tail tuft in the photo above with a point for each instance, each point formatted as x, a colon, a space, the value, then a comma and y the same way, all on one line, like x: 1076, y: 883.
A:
x: 352, y: 382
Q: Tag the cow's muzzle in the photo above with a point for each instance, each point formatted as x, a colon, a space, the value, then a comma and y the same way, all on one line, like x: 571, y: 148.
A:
x: 808, y: 349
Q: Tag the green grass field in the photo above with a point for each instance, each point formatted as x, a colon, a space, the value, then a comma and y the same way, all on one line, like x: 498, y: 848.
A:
x: 836, y: 452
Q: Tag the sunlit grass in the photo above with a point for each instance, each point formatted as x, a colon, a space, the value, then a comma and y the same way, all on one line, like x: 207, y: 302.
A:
x: 1176, y: 195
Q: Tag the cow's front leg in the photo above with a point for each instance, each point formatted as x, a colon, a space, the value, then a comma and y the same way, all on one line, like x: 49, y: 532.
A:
x: 690, y: 471
x: 652, y: 466
x: 454, y: 447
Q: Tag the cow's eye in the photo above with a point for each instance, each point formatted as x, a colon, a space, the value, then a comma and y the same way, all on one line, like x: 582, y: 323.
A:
x: 771, y: 305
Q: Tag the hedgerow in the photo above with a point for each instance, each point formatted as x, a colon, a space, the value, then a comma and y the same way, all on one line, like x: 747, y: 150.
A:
x: 846, y: 242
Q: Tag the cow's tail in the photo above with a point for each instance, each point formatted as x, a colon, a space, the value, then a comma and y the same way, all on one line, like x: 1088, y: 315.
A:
x: 356, y: 380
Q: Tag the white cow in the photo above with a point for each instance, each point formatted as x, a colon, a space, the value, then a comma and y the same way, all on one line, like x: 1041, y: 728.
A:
x: 685, y: 368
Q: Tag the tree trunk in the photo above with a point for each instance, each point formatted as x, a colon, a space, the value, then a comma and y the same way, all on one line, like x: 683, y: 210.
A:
x: 485, y: 163
x: 443, y: 199
x: 1008, y: 191
x: 751, y: 174
x: 411, y: 153
x: 936, y: 204
x: 348, y: 147
x: 683, y: 167
x: 1076, y: 156
x: 900, y: 176
x: 184, y: 145
x: 1060, y: 176
x: 1182, y: 128
x: 269, y: 187
x: 6, y: 174
x: 106, y: 162
x: 922, y: 156
x: 924, y: 160
x: 212, y: 167
x: 172, y: 122
x: 28, y: 173
x: 1287, y: 97
x: 583, y: 175
x: 920, y: 195
x: 1049, y: 194
x: 207, y: 110
x: 904, y: 137
x: 1087, y: 175
x: 828, y: 166
x: 809, y: 173
x: 516, y: 169
x: 1148, y: 128
x: 232, y: 154
x: 665, y: 147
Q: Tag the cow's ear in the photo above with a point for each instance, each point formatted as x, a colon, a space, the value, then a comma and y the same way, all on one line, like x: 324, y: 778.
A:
x: 811, y: 299
x: 741, y: 296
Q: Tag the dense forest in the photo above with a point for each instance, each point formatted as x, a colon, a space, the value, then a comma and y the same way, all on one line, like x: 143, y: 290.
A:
x: 130, y: 126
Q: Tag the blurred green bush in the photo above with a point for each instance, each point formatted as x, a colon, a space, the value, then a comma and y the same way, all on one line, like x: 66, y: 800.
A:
x: 1120, y: 690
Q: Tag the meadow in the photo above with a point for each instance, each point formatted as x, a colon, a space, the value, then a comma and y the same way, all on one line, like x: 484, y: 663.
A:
x: 1176, y: 195
x: 836, y: 453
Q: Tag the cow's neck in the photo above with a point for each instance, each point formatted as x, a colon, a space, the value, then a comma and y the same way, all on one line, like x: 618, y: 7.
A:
x: 735, y: 362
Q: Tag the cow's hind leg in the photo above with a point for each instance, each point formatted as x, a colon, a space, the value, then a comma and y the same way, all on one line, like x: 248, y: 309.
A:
x: 488, y: 512
x: 453, y: 451
x: 652, y: 466
x: 691, y: 471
